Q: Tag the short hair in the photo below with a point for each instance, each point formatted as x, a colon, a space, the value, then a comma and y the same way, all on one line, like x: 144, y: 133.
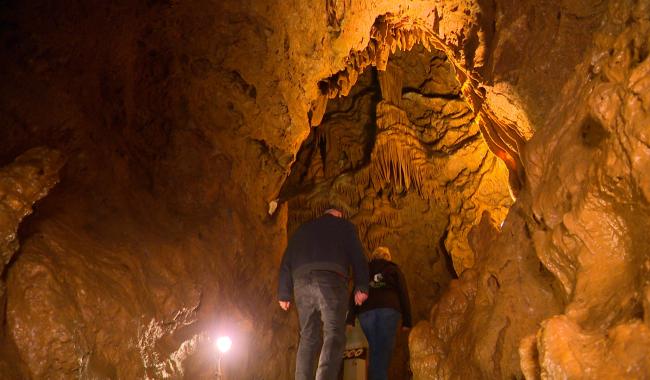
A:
x: 337, y: 210
x: 381, y: 253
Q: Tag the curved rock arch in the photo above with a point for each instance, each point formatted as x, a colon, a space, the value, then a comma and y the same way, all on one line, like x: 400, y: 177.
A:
x: 401, y: 31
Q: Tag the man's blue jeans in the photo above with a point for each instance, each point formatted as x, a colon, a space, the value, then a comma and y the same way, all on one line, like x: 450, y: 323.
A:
x: 380, y: 327
x: 322, y: 302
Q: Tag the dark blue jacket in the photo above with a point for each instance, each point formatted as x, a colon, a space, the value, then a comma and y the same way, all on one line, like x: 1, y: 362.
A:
x: 325, y: 243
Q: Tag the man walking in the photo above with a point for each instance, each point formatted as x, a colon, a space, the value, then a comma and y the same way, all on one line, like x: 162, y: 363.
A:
x: 315, y: 266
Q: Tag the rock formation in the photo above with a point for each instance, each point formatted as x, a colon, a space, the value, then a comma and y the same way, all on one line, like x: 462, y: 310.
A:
x: 22, y: 183
x: 400, y: 149
x: 196, y: 136
x: 578, y: 267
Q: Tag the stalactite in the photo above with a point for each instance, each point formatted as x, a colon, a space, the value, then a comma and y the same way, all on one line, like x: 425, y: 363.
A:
x: 394, y: 31
x: 317, y: 110
x: 346, y: 188
x: 428, y: 143
x: 399, y: 156
x: 389, y: 33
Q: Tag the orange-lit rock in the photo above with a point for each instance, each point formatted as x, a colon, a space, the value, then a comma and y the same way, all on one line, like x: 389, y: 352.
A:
x: 182, y: 122
x: 579, y: 218
x: 28, y: 179
x: 22, y: 183
x: 564, y: 350
x: 479, y: 322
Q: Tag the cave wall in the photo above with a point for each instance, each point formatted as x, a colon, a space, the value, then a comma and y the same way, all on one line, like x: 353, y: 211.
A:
x: 597, y: 249
x: 561, y: 290
x: 179, y: 122
x: 22, y: 183
x: 148, y: 247
x: 402, y: 155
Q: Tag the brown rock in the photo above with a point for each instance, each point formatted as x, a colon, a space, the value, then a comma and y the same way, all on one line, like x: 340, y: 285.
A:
x: 181, y: 121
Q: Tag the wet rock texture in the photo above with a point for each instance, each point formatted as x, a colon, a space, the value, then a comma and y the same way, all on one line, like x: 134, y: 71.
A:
x: 22, y: 183
x: 180, y: 121
x: 402, y: 154
x: 576, y: 304
x: 25, y: 181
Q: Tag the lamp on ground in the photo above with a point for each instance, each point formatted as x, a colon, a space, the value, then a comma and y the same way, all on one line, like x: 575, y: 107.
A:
x: 223, y: 345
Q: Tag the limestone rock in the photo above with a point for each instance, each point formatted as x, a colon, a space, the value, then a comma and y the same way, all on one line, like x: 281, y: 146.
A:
x: 475, y: 323
x: 22, y: 183
x: 181, y: 121
x: 579, y: 219
x: 28, y: 179
x: 566, y: 351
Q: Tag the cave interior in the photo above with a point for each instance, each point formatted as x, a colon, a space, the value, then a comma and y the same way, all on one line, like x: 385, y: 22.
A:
x: 158, y: 154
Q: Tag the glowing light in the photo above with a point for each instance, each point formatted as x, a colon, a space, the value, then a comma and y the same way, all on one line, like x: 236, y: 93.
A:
x: 224, y: 343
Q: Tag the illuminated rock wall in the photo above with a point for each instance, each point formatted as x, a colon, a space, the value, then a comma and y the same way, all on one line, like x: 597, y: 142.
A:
x: 22, y: 183
x: 402, y: 154
x: 157, y: 237
x: 589, y: 207
x: 561, y: 291
x: 179, y: 123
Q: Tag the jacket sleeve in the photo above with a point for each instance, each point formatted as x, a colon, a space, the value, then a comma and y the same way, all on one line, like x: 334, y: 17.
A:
x: 358, y: 261
x: 285, y: 282
x: 405, y: 304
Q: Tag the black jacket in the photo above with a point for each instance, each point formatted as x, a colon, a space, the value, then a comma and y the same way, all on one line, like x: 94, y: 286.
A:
x: 387, y: 289
x: 325, y: 243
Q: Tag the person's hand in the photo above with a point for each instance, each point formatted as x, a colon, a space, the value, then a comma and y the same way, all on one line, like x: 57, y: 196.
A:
x: 360, y: 297
x: 405, y: 329
x: 284, y: 305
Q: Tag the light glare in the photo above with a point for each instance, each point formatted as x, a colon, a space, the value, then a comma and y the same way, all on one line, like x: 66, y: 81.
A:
x: 224, y: 343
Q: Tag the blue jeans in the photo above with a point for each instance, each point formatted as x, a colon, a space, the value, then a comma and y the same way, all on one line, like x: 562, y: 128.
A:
x: 380, y: 327
x: 322, y: 302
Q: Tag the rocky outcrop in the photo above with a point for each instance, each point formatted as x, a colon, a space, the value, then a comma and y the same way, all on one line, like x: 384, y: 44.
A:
x: 578, y: 223
x: 475, y: 329
x: 22, y: 183
x: 589, y: 222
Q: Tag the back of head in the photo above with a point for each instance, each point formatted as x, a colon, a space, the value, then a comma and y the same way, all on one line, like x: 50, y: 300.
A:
x: 334, y: 212
x: 380, y: 253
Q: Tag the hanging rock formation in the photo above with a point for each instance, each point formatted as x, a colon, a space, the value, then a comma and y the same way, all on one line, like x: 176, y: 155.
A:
x: 403, y: 147
x: 403, y: 156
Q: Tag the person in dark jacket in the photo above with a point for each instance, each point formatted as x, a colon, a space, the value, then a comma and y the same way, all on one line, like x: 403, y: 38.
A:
x: 315, y: 267
x: 379, y: 316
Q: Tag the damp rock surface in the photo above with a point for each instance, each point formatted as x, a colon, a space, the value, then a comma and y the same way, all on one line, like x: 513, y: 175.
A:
x: 180, y: 122
x: 575, y: 223
x: 22, y: 183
